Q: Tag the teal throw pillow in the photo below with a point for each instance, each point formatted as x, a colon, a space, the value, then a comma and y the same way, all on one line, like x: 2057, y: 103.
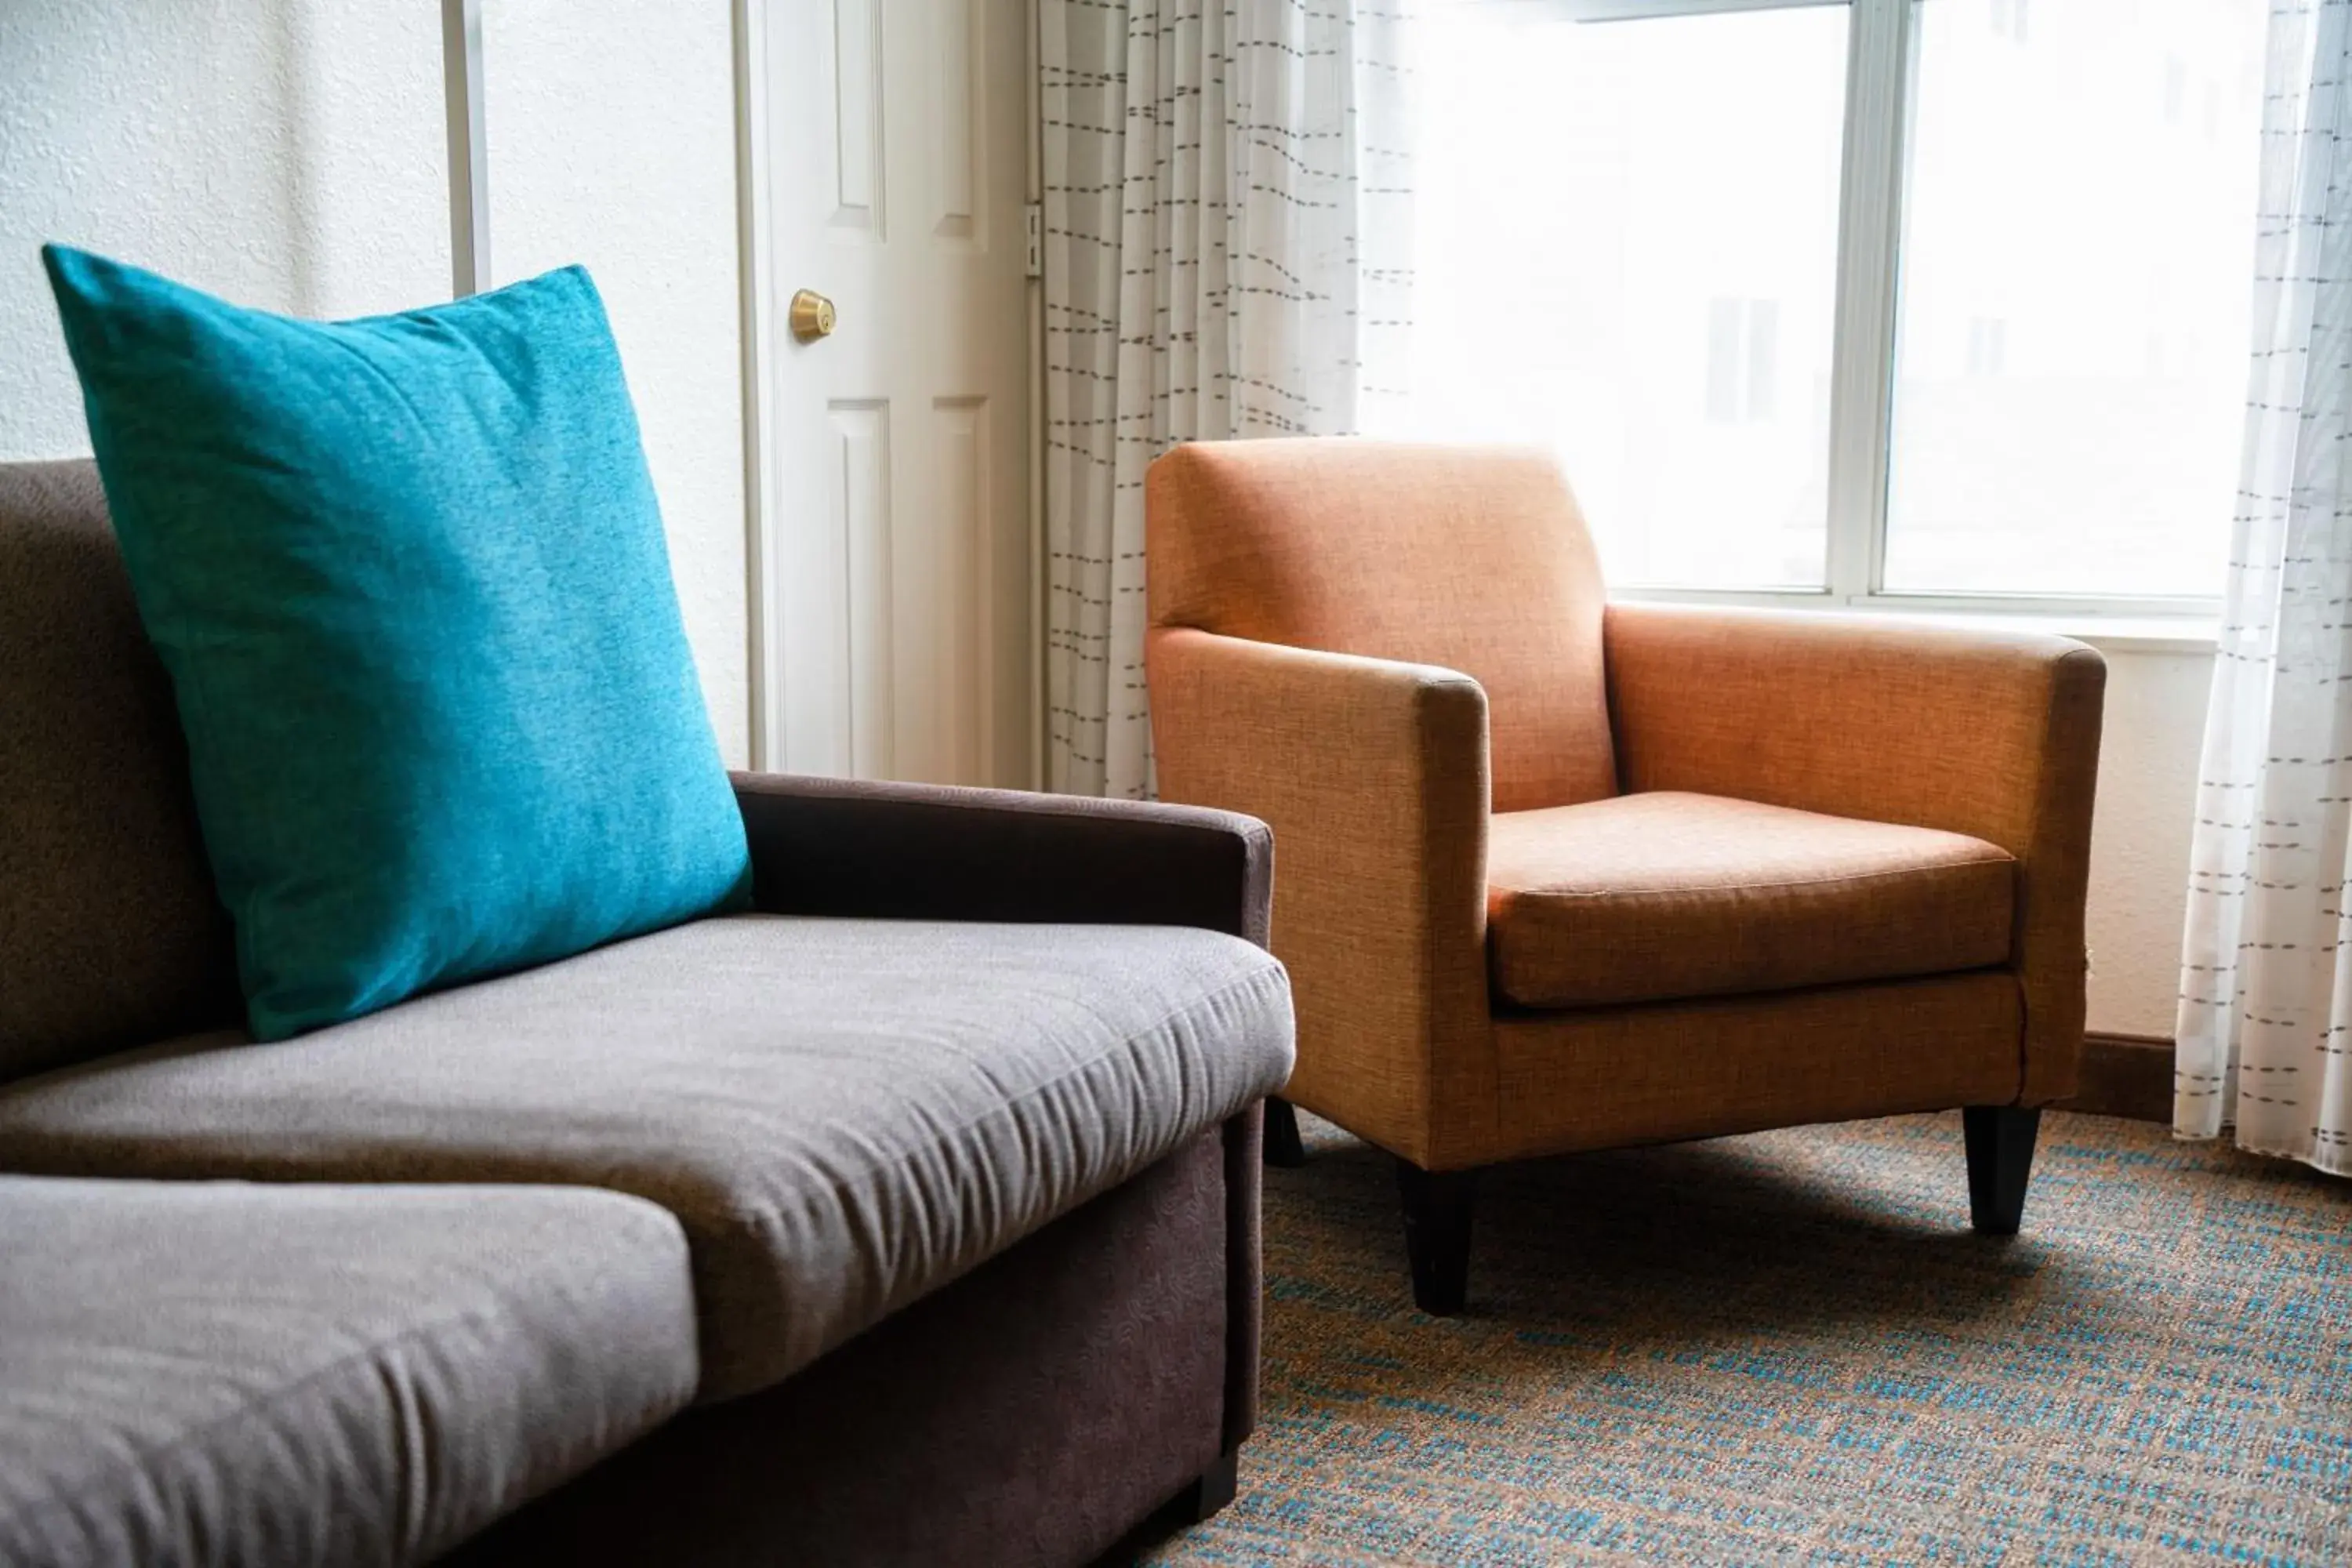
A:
x: 409, y: 578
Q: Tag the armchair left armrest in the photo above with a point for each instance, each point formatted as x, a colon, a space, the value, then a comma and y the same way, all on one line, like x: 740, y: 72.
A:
x: 839, y: 846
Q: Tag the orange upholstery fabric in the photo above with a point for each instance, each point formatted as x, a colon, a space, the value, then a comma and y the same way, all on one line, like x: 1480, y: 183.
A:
x: 1985, y: 733
x: 1374, y: 777
x: 1475, y: 560
x: 1605, y: 1078
x: 1664, y: 895
x: 1375, y: 649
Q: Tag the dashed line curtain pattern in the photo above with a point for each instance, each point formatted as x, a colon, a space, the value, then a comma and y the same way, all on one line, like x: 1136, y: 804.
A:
x: 2265, y: 1022
x: 1225, y: 205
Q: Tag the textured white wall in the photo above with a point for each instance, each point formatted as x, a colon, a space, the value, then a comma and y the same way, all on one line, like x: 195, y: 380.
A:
x: 282, y: 153
x: 2139, y: 838
x: 287, y: 153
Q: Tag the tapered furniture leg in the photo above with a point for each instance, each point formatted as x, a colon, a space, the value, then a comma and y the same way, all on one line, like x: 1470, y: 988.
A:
x: 1211, y: 1490
x: 1437, y: 1209
x: 1283, y: 1144
x: 2000, y: 1162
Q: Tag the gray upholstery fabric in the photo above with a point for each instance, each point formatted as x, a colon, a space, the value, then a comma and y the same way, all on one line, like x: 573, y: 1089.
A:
x: 1026, y: 1417
x: 844, y: 1114
x: 110, y: 932
x: 233, y: 1377
x: 941, y: 852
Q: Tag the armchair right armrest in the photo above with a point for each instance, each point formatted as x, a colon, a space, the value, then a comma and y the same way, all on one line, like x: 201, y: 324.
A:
x: 1993, y: 734
x: 1372, y: 775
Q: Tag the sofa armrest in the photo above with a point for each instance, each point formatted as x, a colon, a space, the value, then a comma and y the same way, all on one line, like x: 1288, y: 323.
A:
x: 840, y: 846
x: 1373, y: 775
x: 1991, y: 734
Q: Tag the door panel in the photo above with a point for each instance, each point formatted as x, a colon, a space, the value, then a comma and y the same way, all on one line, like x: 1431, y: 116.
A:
x: 962, y: 121
x: 952, y: 746
x: 895, y: 484
x: 862, y: 649
x: 855, y: 86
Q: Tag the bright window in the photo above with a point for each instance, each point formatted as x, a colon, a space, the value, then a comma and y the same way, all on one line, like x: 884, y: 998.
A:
x: 1645, y: 280
x: 1894, y: 299
x: 2070, y: 369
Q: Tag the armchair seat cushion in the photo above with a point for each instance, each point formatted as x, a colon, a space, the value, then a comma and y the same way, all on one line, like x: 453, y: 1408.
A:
x: 844, y: 1114
x: 1668, y: 895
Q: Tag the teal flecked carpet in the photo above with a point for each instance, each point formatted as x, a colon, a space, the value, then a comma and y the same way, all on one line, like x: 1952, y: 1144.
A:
x: 1789, y: 1348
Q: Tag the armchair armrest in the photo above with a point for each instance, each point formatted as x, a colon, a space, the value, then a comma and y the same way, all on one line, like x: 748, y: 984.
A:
x: 1373, y: 775
x: 1991, y: 734
x: 837, y: 847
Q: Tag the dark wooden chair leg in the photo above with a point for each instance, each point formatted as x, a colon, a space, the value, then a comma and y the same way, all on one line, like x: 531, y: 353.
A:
x: 1283, y: 1146
x: 1211, y: 1490
x: 2001, y: 1162
x: 1438, y: 1206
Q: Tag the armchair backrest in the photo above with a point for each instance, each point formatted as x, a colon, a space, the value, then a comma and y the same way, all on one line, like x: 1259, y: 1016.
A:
x: 1473, y: 558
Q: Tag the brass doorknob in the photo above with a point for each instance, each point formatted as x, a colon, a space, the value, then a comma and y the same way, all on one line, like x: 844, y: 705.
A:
x: 811, y: 316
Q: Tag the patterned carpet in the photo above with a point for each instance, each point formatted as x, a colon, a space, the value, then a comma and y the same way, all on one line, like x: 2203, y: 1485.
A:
x: 1789, y: 1348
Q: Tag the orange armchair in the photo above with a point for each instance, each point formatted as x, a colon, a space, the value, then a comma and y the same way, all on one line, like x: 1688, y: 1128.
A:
x: 1556, y: 874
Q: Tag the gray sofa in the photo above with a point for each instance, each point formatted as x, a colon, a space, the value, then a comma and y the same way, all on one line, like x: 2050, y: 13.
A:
x: 909, y: 1219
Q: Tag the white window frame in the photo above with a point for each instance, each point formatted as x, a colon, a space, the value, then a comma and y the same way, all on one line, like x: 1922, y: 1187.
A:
x: 1880, y: 77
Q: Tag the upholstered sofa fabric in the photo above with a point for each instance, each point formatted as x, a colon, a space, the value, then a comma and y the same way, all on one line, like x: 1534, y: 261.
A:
x: 1669, y: 894
x: 1025, y: 1417
x: 844, y: 1114
x: 944, y: 852
x: 796, y: 1091
x: 222, y: 1375
x: 1474, y: 559
x: 110, y: 932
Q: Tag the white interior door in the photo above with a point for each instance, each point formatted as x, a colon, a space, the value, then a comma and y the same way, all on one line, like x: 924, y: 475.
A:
x: 888, y: 174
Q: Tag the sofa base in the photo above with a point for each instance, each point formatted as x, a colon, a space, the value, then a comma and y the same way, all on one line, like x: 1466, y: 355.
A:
x: 1284, y: 1147
x: 1211, y: 1490
x: 1031, y: 1413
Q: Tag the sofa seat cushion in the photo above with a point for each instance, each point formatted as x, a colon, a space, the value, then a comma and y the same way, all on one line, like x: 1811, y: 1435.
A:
x: 1666, y: 895
x: 844, y: 1114
x: 196, y: 1373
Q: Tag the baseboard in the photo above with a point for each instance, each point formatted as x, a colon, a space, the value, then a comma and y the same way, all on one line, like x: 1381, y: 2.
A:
x: 2125, y: 1075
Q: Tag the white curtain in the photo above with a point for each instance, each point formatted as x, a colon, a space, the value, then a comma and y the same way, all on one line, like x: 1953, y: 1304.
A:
x: 1225, y: 202
x: 2265, y: 1020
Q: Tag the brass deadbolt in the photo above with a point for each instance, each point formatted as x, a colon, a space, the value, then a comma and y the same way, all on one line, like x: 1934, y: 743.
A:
x: 811, y: 316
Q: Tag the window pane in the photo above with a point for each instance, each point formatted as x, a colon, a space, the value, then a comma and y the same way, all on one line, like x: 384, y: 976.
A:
x: 1627, y: 251
x: 2078, y: 265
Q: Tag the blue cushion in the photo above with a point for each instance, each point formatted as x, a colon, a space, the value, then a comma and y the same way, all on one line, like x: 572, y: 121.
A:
x: 409, y: 578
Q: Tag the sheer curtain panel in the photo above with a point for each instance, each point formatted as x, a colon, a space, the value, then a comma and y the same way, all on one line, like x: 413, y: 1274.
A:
x: 2265, y: 1021
x: 1224, y: 213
